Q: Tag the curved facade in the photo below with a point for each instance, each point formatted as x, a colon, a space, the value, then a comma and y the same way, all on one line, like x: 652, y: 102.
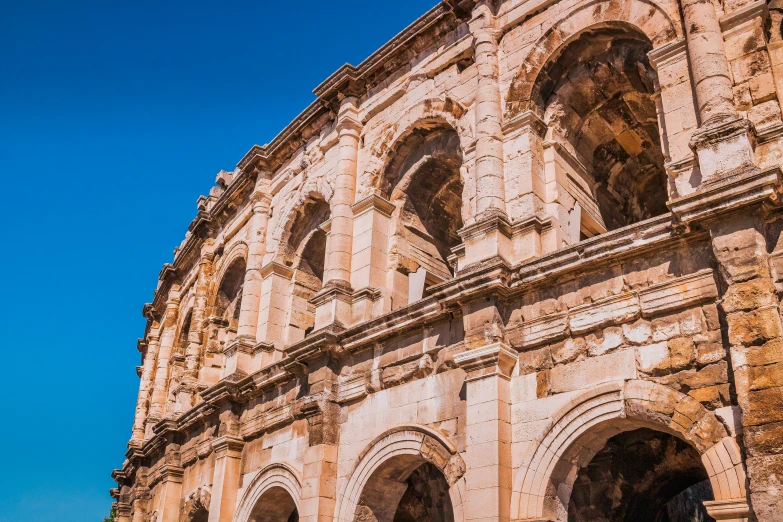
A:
x: 522, y: 263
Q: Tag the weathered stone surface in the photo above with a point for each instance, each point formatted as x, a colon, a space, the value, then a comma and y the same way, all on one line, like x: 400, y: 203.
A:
x: 505, y: 256
x: 749, y: 295
x: 754, y: 327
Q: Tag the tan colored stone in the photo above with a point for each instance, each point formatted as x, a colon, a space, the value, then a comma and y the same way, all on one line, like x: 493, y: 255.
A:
x: 682, y: 351
x: 749, y: 295
x: 754, y: 327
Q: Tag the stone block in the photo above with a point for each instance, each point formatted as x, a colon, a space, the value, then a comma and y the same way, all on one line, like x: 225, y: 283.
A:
x: 653, y: 359
x: 604, y: 341
x: 747, y: 328
x: 709, y: 352
x: 613, y: 310
x: 712, y: 397
x: 748, y: 295
x: 682, y: 351
x: 616, y: 366
x: 638, y: 332
x: 763, y: 407
x: 678, y: 293
x: 665, y: 328
x: 572, y: 349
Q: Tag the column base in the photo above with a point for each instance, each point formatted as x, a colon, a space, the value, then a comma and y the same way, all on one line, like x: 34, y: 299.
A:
x: 333, y: 305
x: 238, y: 356
x: 495, y: 237
x: 723, y: 145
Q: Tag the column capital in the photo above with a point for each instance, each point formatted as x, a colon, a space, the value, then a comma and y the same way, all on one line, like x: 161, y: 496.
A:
x: 228, y: 446
x: 494, y: 359
x: 733, y: 509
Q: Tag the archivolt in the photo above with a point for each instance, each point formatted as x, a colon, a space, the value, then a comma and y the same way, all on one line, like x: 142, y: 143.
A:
x: 429, y: 112
x: 582, y: 427
x: 642, y: 15
x: 237, y: 251
x: 414, y: 440
x: 275, y: 475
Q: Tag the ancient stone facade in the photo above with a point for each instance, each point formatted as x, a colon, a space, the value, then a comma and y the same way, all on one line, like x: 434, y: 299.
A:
x: 524, y: 262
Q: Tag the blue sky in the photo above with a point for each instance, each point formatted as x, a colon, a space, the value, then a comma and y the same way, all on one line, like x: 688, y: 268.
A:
x: 114, y: 118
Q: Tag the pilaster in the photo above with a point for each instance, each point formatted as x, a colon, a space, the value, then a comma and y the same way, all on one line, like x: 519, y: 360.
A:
x: 169, y: 331
x: 226, y: 477
x: 755, y: 335
x: 488, y: 430
x: 369, y: 267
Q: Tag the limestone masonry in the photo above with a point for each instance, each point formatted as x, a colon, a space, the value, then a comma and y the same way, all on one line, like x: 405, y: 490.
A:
x: 524, y: 263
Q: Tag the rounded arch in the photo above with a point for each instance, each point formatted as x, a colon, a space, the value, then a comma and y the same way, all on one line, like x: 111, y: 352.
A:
x: 425, y: 114
x: 643, y: 16
x: 300, y: 219
x: 542, y: 486
x: 420, y: 442
x: 278, y: 475
x: 236, y: 252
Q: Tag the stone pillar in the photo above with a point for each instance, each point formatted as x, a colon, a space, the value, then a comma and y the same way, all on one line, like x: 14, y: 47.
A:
x: 251, y: 291
x: 273, y: 310
x: 123, y: 511
x: 488, y: 430
x: 709, y: 66
x: 190, y: 380
x: 337, y: 270
x: 169, y: 331
x: 226, y: 477
x: 755, y: 335
x: 319, y: 478
x: 145, y: 387
x: 723, y: 142
x: 332, y: 303
x: 490, y: 190
x: 369, y: 266
x: 171, y: 474
x: 141, y: 496
x: 242, y: 347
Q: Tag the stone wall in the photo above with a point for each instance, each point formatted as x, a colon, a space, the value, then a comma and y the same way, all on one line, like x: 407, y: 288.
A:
x: 523, y: 244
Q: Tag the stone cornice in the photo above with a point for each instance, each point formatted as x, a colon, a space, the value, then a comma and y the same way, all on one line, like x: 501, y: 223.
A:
x: 373, y: 202
x: 494, y: 359
x: 747, y: 187
x: 668, y: 53
x: 744, y: 14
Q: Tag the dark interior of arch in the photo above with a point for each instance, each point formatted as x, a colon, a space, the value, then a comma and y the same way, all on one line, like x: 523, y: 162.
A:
x: 642, y: 476
x: 397, y: 493
x: 425, y: 171
x: 182, y: 340
x: 598, y: 96
x: 229, y: 294
x: 312, y: 214
x: 275, y: 505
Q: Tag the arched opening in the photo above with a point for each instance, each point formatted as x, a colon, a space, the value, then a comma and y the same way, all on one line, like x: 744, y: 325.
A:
x: 184, y: 332
x: 597, y: 99
x: 228, y: 301
x: 405, y: 488
x: 275, y: 505
x: 306, y: 254
x: 423, y: 181
x: 641, y: 476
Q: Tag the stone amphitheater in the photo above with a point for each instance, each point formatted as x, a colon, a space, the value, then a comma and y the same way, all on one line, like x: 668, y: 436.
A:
x: 523, y: 263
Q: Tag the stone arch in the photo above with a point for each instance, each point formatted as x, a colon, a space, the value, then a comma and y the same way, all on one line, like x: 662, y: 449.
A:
x: 278, y: 476
x: 428, y: 112
x: 645, y: 16
x: 237, y: 251
x: 289, y: 238
x: 542, y: 486
x: 411, y: 441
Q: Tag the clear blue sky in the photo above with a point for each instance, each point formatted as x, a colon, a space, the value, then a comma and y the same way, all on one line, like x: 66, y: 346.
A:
x: 114, y: 118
